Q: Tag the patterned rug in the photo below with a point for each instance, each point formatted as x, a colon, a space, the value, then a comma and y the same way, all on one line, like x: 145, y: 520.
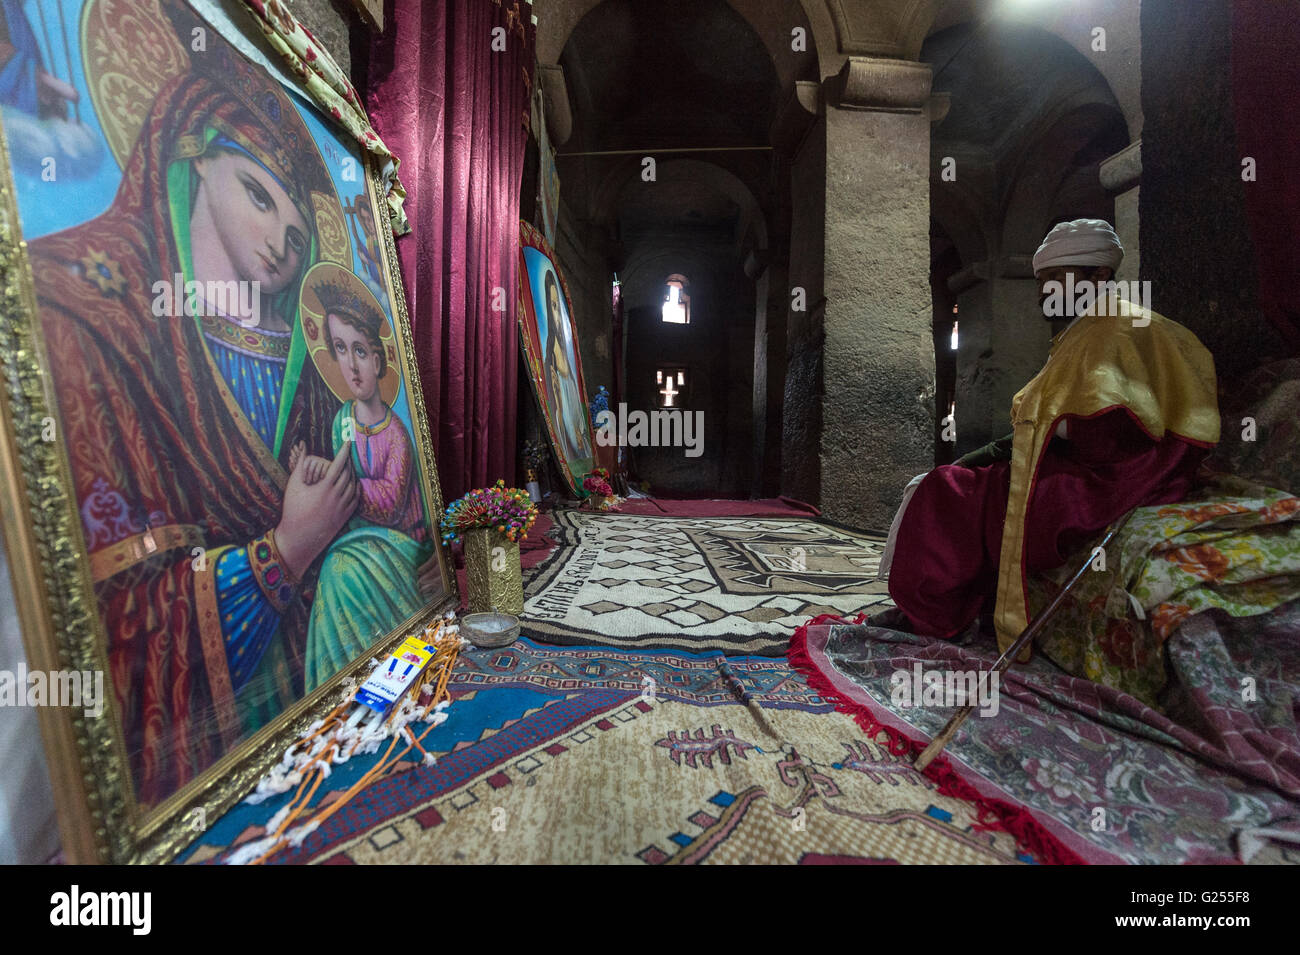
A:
x: 599, y: 755
x: 735, y: 585
x: 1083, y: 772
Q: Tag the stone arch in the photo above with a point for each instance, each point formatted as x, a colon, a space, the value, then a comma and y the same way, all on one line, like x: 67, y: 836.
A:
x: 1054, y: 107
x: 892, y: 29
x: 955, y: 207
x: 701, y: 174
x: 556, y: 20
x: 836, y: 30
x: 1073, y: 24
x: 1030, y: 120
x: 1044, y: 168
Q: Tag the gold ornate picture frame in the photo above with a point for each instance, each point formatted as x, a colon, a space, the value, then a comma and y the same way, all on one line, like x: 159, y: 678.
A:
x: 549, y: 338
x: 149, y: 488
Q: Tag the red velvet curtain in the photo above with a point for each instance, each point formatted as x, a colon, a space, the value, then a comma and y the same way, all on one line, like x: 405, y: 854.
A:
x: 455, y: 111
x: 1266, y: 94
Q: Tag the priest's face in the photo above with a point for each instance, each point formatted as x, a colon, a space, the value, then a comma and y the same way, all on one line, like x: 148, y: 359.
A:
x: 1067, y: 275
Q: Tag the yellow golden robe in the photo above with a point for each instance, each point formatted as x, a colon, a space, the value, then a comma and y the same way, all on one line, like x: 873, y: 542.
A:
x: 1134, y: 359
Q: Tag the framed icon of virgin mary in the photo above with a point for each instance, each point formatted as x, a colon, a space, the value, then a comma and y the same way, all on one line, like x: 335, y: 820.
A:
x: 219, y: 495
x: 549, y: 339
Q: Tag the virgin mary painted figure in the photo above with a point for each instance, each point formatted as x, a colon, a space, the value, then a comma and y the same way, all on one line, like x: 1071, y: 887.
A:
x: 561, y: 379
x: 179, y: 428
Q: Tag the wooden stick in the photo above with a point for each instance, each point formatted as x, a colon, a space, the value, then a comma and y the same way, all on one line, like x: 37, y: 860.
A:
x: 1025, y: 639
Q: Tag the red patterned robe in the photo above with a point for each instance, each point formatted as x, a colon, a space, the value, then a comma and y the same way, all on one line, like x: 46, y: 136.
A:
x: 945, y: 567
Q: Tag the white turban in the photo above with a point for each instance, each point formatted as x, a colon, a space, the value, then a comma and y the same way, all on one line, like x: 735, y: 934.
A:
x: 1085, y: 242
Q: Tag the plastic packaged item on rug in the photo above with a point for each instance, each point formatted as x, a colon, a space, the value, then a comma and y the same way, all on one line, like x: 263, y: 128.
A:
x: 396, y: 675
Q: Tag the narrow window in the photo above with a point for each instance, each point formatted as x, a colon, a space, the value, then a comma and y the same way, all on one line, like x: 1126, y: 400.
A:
x: 677, y: 304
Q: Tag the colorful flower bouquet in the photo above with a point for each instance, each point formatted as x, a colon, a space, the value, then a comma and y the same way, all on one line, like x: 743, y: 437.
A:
x: 600, y: 494
x: 506, y: 510
x: 492, y: 521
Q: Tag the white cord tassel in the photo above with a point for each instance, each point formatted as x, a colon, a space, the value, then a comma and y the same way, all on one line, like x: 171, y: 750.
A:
x: 364, y: 732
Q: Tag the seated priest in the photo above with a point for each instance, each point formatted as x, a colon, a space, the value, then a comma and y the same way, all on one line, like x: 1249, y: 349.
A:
x: 1121, y: 415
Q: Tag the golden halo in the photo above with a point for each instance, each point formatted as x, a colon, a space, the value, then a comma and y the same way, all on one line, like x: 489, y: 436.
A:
x: 311, y: 316
x: 332, y: 234
x: 129, y: 51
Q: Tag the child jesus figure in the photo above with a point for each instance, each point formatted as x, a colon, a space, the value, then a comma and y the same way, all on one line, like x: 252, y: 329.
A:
x: 383, y: 454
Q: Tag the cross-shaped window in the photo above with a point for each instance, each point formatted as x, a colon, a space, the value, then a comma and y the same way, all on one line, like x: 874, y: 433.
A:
x: 672, y: 387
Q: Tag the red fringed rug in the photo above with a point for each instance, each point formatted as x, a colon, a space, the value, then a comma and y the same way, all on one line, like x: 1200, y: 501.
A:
x: 807, y: 654
x: 1075, y: 770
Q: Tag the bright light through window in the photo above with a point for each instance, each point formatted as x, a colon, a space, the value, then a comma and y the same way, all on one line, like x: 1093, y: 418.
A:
x: 674, y: 310
x: 677, y: 304
x: 671, y: 382
x: 954, y: 336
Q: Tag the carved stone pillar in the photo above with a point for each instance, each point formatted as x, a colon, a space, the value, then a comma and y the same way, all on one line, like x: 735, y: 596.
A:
x: 1120, y: 176
x: 878, y: 355
x: 1002, y: 343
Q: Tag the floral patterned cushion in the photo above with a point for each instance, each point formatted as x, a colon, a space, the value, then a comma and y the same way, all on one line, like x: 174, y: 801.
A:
x: 1235, y: 546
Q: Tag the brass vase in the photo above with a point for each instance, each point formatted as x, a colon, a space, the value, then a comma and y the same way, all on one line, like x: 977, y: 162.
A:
x: 496, y: 580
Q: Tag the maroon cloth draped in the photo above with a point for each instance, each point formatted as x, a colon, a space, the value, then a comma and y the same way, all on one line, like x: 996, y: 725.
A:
x: 1266, y: 92
x: 945, y: 567
x: 455, y: 111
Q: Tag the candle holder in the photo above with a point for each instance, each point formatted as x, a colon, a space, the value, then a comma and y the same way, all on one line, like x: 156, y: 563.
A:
x: 490, y: 629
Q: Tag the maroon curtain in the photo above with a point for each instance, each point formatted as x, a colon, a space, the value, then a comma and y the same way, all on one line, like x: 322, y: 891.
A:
x: 1266, y: 94
x: 455, y: 111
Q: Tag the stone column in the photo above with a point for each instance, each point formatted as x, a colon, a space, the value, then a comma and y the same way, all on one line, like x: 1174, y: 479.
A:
x: 802, y: 136
x: 762, y: 359
x: 1120, y: 176
x: 878, y: 355
x: 972, y: 392
x: 1196, y: 248
x: 1021, y: 337
x: 1002, y: 343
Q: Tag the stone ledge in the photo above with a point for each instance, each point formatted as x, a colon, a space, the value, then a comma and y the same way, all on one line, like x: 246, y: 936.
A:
x: 1010, y: 266
x: 796, y: 116
x: 559, y: 115
x: 883, y: 85
x: 1122, y: 171
x: 937, y: 107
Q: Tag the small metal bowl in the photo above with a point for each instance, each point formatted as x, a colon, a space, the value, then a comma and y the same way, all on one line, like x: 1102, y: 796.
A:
x: 490, y: 629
